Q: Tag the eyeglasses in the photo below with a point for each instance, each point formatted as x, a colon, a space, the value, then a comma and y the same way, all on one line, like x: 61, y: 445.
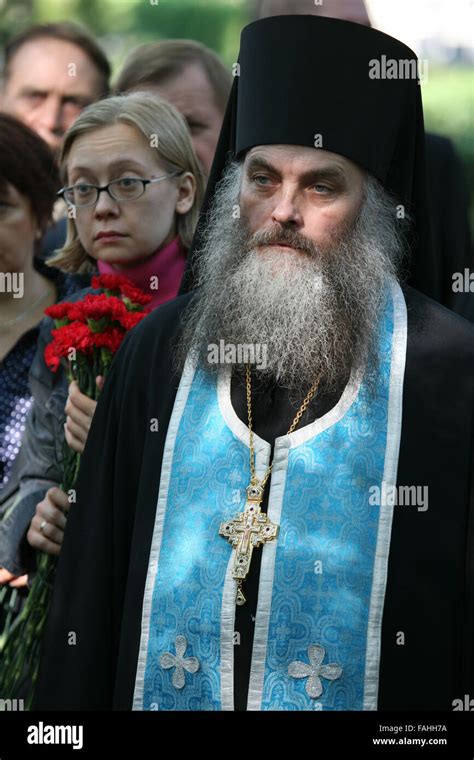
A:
x: 126, y: 189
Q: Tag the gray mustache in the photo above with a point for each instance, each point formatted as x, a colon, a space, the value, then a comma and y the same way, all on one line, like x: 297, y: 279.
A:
x: 285, y: 237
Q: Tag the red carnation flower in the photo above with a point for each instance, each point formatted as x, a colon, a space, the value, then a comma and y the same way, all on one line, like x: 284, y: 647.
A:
x: 99, y: 306
x: 136, y: 295
x: 121, y: 285
x: 109, y: 282
x: 132, y: 318
x: 58, y: 311
x: 111, y: 339
x: 51, y: 357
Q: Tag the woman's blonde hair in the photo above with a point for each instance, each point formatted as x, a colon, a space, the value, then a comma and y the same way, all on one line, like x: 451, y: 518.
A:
x: 163, y: 126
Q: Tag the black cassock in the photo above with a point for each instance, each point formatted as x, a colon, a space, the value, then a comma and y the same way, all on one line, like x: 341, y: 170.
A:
x: 103, y: 564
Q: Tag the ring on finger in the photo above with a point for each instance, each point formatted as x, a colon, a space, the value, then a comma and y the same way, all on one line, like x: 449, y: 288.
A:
x: 42, y: 526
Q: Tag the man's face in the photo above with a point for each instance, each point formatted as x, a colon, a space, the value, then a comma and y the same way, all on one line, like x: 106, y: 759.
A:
x: 191, y: 93
x: 302, y: 271
x: 50, y: 82
x: 312, y: 193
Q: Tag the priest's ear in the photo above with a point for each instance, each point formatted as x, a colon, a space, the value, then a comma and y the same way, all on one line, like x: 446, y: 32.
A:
x: 186, y: 192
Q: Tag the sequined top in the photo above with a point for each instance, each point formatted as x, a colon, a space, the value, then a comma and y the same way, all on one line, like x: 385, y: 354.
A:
x: 15, y: 395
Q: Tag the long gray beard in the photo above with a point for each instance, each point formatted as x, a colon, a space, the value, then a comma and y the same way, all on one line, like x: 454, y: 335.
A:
x: 308, y: 315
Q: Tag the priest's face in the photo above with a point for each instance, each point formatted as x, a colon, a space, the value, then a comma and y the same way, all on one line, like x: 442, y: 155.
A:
x: 295, y: 259
x: 313, y: 195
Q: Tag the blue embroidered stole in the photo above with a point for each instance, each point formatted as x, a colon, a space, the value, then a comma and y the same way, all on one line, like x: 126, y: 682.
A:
x: 322, y: 582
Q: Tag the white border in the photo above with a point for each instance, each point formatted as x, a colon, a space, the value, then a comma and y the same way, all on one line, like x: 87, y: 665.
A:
x: 394, y: 426
x: 177, y: 413
x: 267, y: 574
x: 227, y: 638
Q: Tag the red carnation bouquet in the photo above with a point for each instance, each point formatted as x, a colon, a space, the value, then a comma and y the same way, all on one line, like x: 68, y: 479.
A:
x: 87, y: 334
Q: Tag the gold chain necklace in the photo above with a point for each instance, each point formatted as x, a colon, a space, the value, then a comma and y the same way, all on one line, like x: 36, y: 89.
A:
x: 252, y: 527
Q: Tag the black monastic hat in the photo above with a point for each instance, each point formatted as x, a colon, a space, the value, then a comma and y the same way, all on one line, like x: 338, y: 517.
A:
x: 339, y: 86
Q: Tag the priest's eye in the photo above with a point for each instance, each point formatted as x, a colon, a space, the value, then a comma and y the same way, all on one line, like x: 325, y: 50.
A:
x: 257, y: 180
x: 322, y: 189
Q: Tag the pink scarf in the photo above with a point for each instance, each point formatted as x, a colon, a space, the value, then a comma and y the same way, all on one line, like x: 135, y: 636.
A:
x: 167, y: 264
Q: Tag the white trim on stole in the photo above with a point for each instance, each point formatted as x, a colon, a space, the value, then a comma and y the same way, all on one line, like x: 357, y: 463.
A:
x: 394, y: 428
x: 168, y: 453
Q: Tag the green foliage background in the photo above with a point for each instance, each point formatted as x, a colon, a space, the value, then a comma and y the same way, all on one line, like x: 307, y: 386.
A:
x: 120, y: 24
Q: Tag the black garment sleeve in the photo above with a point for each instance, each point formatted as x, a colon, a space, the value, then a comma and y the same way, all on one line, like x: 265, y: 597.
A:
x: 449, y: 197
x: 429, y: 593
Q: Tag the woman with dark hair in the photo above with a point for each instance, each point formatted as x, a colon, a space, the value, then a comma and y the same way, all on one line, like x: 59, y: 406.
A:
x: 28, y: 184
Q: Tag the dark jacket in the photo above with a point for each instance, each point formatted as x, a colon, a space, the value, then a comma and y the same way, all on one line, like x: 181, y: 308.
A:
x: 38, y: 464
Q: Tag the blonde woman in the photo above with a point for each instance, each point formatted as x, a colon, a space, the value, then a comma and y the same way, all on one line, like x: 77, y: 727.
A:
x: 133, y: 189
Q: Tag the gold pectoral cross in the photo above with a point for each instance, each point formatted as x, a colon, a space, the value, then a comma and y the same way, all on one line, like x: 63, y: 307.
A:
x: 245, y: 531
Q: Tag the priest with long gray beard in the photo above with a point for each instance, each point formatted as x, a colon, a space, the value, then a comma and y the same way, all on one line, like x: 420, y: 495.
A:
x: 248, y: 536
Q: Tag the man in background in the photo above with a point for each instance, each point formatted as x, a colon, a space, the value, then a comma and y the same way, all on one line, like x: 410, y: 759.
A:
x: 50, y: 73
x: 191, y: 77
